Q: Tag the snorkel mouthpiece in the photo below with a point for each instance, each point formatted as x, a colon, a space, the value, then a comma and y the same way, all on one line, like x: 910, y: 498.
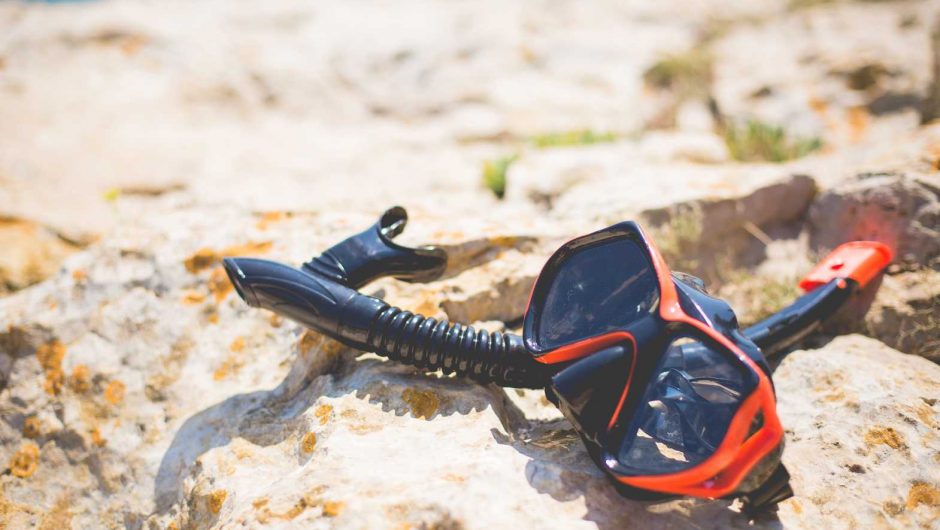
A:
x: 319, y: 303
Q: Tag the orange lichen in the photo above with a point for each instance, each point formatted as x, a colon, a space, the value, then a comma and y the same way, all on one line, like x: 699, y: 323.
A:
x: 53, y: 383
x: 228, y: 367
x: 858, y: 122
x: 193, y: 297
x: 96, y: 438
x: 269, y: 218
x: 423, y: 403
x: 923, y: 493
x: 309, y: 442
x: 207, y: 257
x: 232, y: 363
x: 247, y: 249
x: 429, y: 306
x: 114, y: 392
x: 201, y: 259
x: 309, y: 500
x: 79, y: 275
x: 80, y: 380
x: 356, y: 423
x: 926, y: 415
x: 892, y: 508
x: 25, y: 461
x: 818, y: 105
x: 32, y: 427
x: 50, y: 357
x: 364, y: 428
x: 219, y: 285
x: 215, y: 501
x: 885, y: 435
x: 323, y: 413
x: 308, y: 341
x: 333, y: 508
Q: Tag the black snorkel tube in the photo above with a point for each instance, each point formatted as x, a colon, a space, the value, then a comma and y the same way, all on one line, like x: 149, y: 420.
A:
x: 322, y: 295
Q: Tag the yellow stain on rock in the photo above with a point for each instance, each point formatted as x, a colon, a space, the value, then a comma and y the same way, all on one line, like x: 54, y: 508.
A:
x: 333, y: 508
x: 885, y: 435
x: 114, y: 392
x: 96, y: 438
x: 50, y: 357
x: 269, y: 218
x: 308, y: 341
x: 201, y: 259
x: 923, y: 493
x: 193, y: 297
x: 228, y: 367
x: 25, y: 461
x: 208, y: 257
x: 32, y: 427
x: 215, y: 501
x: 423, y: 403
x: 219, y: 285
x: 80, y: 380
x: 265, y: 514
x: 323, y: 413
x: 309, y: 442
x: 232, y: 364
x: 926, y: 415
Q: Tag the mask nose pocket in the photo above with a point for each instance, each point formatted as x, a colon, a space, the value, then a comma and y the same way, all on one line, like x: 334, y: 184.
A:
x: 589, y: 390
x: 686, y: 409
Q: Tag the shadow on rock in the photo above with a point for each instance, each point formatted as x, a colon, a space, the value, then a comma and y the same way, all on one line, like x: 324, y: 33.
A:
x: 255, y: 416
x: 560, y: 466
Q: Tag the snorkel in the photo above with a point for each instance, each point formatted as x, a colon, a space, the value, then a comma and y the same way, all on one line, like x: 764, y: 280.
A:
x: 669, y: 396
x: 322, y: 295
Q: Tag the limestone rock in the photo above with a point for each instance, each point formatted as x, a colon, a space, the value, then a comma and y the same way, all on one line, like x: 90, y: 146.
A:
x: 31, y: 253
x: 863, y: 436
x: 902, y: 211
x: 906, y: 313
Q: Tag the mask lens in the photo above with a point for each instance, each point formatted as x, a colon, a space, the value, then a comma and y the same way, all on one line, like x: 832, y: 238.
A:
x: 598, y: 289
x: 686, y: 408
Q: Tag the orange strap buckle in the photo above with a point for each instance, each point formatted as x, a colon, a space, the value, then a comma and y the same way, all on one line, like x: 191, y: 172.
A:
x: 858, y: 260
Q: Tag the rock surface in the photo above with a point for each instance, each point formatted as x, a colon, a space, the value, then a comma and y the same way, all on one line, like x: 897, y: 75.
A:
x: 868, y: 419
x: 145, y: 141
